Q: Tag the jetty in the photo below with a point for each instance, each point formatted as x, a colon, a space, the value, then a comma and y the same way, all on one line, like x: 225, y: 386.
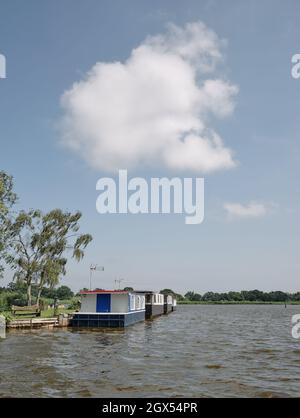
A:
x: 63, y: 320
x: 2, y: 326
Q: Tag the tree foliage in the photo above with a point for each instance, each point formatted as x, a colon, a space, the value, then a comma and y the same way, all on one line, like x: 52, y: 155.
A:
x: 7, y: 200
x: 244, y: 295
x: 15, y: 293
x: 171, y: 292
x: 7, y: 195
x: 64, y: 292
x: 39, y: 243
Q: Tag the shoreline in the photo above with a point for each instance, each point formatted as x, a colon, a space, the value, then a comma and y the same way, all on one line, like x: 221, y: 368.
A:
x: 236, y: 303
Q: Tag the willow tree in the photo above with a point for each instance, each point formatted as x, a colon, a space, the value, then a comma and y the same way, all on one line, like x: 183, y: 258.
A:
x: 50, y: 274
x: 40, y: 243
x: 7, y: 200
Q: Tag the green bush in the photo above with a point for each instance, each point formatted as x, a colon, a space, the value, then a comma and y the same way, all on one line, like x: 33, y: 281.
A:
x: 8, y: 298
x: 7, y: 315
x: 74, y: 303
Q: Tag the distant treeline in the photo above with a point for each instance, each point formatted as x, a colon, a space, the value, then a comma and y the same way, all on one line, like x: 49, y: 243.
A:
x: 243, y: 296
x: 238, y: 297
x: 15, y: 293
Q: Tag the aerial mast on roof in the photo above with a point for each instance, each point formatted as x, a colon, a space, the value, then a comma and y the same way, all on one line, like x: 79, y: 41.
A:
x: 93, y: 268
x: 119, y: 282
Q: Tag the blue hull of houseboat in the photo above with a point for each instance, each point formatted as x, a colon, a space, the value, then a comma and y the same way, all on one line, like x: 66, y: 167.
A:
x: 107, y: 320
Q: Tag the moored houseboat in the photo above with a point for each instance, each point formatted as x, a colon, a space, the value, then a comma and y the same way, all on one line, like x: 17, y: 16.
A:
x: 174, y: 304
x: 109, y: 309
x: 168, y: 303
x: 154, y: 303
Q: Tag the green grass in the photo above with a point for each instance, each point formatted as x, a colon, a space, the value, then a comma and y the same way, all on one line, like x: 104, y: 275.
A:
x: 48, y: 313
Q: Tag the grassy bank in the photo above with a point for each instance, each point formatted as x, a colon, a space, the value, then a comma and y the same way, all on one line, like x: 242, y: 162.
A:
x: 48, y: 313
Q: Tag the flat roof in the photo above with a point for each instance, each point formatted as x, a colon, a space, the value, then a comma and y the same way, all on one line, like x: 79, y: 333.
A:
x: 93, y: 292
x: 146, y: 291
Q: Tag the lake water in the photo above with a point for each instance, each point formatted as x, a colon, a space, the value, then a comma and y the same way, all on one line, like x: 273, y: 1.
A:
x: 198, y: 351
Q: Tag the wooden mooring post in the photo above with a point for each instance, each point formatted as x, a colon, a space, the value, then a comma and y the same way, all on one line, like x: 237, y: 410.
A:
x: 2, y: 326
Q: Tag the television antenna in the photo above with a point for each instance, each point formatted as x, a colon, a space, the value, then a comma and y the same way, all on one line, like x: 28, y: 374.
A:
x: 119, y: 283
x: 93, y: 269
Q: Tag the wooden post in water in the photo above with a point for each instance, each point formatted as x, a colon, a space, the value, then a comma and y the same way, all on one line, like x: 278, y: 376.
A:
x: 63, y: 320
x: 2, y: 326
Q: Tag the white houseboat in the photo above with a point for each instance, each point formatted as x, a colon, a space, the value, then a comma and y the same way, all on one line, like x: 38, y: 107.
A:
x: 110, y: 309
x: 168, y: 303
x: 154, y: 303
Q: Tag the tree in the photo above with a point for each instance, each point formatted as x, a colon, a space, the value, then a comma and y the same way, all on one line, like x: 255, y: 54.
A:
x: 235, y: 296
x: 278, y: 296
x: 7, y: 200
x: 64, y: 292
x: 49, y: 293
x: 189, y: 295
x: 172, y: 293
x: 193, y: 297
x: 209, y: 297
x: 39, y: 242
x: 7, y: 195
x: 85, y: 289
x: 50, y: 274
x: 167, y: 292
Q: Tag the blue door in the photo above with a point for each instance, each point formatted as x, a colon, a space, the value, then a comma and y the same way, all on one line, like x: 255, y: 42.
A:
x: 103, y: 303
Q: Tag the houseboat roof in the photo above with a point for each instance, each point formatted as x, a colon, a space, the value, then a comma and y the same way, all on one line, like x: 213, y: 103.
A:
x: 93, y: 292
x: 146, y: 291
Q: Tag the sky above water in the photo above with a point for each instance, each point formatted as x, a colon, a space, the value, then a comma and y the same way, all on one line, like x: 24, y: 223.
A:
x: 97, y: 86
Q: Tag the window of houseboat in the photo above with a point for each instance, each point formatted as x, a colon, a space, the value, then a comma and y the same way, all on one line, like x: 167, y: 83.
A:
x: 132, y: 302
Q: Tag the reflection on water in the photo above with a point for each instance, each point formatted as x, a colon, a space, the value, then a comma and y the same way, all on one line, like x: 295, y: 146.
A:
x: 199, y: 351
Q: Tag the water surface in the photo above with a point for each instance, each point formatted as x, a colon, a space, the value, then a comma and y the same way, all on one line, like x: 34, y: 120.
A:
x: 198, y: 351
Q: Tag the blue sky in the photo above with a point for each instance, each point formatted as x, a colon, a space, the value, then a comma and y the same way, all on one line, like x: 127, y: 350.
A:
x: 51, y: 45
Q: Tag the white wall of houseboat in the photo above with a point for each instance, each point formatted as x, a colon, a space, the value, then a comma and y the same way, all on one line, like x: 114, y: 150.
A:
x: 157, y: 299
x: 88, y: 303
x: 137, y: 302
x: 119, y: 303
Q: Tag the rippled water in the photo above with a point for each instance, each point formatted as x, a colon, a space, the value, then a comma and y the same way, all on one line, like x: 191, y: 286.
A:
x: 199, y: 351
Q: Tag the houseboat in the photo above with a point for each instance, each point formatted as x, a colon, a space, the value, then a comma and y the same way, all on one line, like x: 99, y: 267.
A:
x: 168, y: 303
x: 174, y: 303
x: 109, y: 309
x: 154, y: 303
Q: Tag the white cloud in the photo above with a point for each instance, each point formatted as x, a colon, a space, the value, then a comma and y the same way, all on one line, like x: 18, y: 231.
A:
x: 156, y: 108
x: 252, y: 210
